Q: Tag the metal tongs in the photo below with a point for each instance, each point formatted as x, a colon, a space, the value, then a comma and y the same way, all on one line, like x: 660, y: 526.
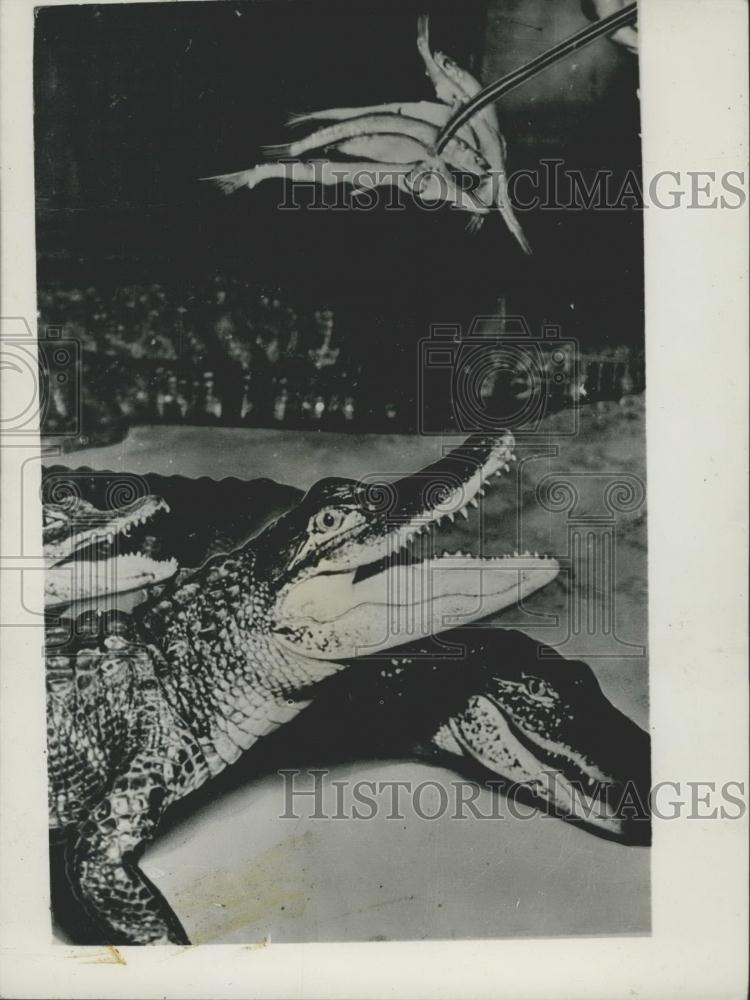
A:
x: 510, y: 81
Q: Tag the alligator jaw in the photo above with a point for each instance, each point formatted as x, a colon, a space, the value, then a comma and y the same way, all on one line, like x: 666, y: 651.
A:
x: 552, y: 772
x: 376, y: 593
x: 414, y: 600
x: 72, y: 528
x: 83, y: 579
x: 86, y: 563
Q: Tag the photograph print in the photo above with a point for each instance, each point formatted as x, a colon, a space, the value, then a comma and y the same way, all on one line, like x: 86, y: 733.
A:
x: 341, y: 330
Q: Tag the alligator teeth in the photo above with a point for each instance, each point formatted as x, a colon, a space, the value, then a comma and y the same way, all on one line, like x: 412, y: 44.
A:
x: 474, y: 502
x: 506, y: 467
x: 464, y: 513
x: 452, y: 516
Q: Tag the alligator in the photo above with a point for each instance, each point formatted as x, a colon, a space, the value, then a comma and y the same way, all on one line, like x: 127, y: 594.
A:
x: 501, y: 709
x: 91, y: 542
x: 145, y: 715
x: 89, y: 552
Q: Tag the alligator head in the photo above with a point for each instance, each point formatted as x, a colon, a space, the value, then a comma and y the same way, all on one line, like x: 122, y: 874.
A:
x: 545, y: 728
x: 353, y: 572
x: 90, y: 552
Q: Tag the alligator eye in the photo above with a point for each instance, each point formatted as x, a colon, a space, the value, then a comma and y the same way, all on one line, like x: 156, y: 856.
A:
x: 328, y: 520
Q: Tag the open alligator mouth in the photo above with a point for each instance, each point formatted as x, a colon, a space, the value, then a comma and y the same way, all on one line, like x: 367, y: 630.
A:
x: 109, y: 552
x: 548, y: 769
x: 387, y: 585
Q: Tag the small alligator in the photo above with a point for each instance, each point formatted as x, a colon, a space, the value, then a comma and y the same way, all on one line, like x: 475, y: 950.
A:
x: 86, y: 550
x: 143, y: 716
x: 95, y: 548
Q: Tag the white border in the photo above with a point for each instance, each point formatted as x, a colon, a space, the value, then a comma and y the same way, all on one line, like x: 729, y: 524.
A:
x: 694, y: 93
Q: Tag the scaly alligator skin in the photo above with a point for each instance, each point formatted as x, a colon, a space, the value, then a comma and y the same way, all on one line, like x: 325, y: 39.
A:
x: 489, y: 703
x: 169, y: 521
x: 140, y: 718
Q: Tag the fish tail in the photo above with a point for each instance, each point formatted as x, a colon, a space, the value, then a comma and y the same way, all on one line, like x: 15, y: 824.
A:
x: 323, y: 137
x: 277, y: 151
x: 524, y: 243
x: 505, y: 208
x: 229, y: 183
x: 474, y: 224
x: 515, y: 227
x: 294, y: 120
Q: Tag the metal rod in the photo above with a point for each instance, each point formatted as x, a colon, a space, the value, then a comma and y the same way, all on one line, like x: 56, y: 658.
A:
x: 519, y: 76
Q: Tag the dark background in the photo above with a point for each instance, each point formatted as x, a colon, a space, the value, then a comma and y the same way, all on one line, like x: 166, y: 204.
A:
x: 134, y: 103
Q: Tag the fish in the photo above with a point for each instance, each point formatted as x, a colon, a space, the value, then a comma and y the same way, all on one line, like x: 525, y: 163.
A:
x: 446, y: 88
x: 383, y: 147
x: 468, y: 86
x: 457, y: 153
x: 433, y: 112
x: 464, y: 86
x: 364, y: 174
x: 430, y: 179
x: 425, y: 183
x: 432, y: 182
x: 412, y: 109
x: 597, y: 9
x: 491, y: 144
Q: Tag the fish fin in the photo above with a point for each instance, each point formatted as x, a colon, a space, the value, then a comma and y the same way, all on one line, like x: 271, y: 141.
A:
x: 293, y: 120
x: 276, y: 152
x: 229, y: 183
x: 474, y: 223
x: 505, y: 208
x: 524, y: 243
x: 515, y: 227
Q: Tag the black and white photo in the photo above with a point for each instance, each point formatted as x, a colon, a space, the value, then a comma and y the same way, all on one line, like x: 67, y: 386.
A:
x: 353, y: 401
